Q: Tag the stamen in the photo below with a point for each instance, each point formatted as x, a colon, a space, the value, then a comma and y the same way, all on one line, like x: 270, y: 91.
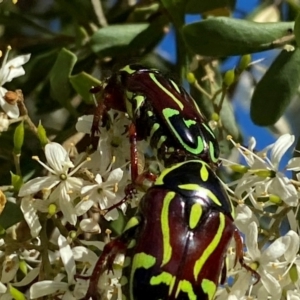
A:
x: 115, y: 187
x: 79, y: 166
x: 6, y: 56
x: 43, y: 164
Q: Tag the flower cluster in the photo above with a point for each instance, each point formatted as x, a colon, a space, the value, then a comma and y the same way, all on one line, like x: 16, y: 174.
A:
x: 267, y: 201
x: 67, y: 208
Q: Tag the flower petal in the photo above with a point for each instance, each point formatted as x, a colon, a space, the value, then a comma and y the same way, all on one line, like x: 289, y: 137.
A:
x: 37, y: 184
x: 46, y: 287
x: 283, y: 143
x: 31, y: 217
x: 57, y: 157
x: 67, y: 258
x: 251, y: 241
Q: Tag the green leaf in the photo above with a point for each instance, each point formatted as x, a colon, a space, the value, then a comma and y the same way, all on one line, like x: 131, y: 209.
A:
x: 112, y: 39
x: 82, y: 84
x: 175, y: 9
x: 226, y: 36
x: 152, y: 35
x: 16, y: 181
x: 275, y: 90
x: 118, y: 225
x: 11, y: 215
x: 297, y: 30
x: 198, y: 7
x: 59, y: 78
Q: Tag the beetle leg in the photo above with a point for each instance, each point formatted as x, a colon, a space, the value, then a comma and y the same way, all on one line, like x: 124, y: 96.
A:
x: 130, y: 192
x: 110, y: 252
x: 224, y: 272
x: 133, y: 152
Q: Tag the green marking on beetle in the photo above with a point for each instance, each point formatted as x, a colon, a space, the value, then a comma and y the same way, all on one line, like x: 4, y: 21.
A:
x: 210, y: 248
x: 153, y: 129
x: 196, y: 187
x: 150, y: 113
x: 232, y: 210
x: 165, y: 228
x: 212, y: 152
x: 189, y: 123
x: 165, y: 172
x: 195, y: 215
x: 138, y: 101
x: 133, y: 222
x: 175, y: 86
x: 209, y: 288
x: 172, y: 284
x: 168, y: 114
x: 140, y: 260
x: 128, y: 69
x: 177, y: 101
x: 164, y: 278
x: 131, y: 244
x: 186, y: 287
x: 162, y: 139
x: 129, y: 95
x: 204, y: 174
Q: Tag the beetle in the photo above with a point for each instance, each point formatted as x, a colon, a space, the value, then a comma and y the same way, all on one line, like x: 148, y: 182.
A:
x: 176, y: 244
x: 162, y: 113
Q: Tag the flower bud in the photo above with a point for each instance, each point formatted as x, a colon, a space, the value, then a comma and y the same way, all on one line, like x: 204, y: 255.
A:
x: 244, y: 63
x: 191, y: 78
x: 2, y: 201
x: 16, y: 294
x: 11, y: 97
x: 42, y: 135
x: 23, y: 267
x: 72, y: 235
x: 52, y: 210
x: 293, y: 273
x: 18, y: 138
x: 239, y: 168
x: 264, y: 173
x: 215, y: 117
x: 16, y: 181
x: 229, y: 78
x: 275, y: 199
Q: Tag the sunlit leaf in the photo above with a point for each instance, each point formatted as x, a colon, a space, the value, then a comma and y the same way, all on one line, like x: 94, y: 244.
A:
x: 82, y: 84
x: 59, y: 77
x: 225, y: 36
x: 276, y: 89
x: 196, y: 6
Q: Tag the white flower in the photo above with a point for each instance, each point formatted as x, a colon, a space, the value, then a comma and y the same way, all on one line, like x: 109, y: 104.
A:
x: 244, y: 216
x: 113, y: 141
x: 65, y: 186
x: 264, y: 176
x: 30, y: 215
x: 272, y: 263
x: 4, y: 122
x: 104, y: 192
x: 10, y: 70
x: 71, y: 289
